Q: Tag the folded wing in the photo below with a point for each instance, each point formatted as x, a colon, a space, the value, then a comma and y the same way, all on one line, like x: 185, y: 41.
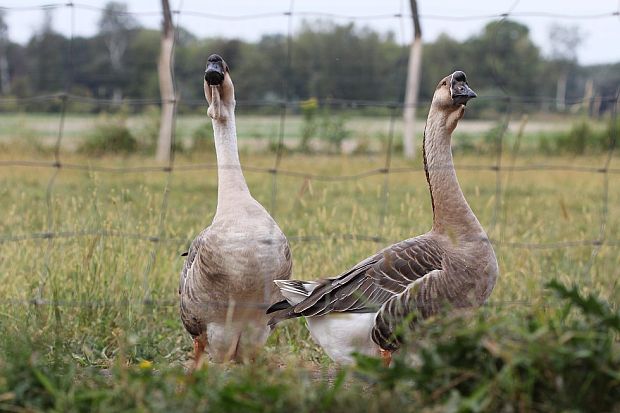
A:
x: 372, y: 282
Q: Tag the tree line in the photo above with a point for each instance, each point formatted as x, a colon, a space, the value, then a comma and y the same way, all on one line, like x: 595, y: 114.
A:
x: 326, y: 61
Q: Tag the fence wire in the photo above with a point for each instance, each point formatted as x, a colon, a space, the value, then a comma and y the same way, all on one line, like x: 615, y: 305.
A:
x: 65, y: 97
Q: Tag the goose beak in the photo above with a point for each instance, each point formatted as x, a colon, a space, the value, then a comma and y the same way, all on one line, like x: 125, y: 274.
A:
x: 459, y: 89
x: 464, y: 95
x: 214, y: 77
x: 214, y: 73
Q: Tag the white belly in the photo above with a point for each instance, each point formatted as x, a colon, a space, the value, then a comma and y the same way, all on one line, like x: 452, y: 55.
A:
x: 341, y: 334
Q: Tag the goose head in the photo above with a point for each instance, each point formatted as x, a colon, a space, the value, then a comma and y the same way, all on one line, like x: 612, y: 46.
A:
x: 219, y: 89
x: 451, y: 96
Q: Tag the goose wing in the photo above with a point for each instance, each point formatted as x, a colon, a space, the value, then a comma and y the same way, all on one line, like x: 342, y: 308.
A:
x: 190, y: 256
x: 372, y: 282
x: 421, y: 299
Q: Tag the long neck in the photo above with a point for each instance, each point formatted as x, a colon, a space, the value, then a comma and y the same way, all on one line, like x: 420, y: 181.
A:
x: 231, y: 185
x: 451, y: 213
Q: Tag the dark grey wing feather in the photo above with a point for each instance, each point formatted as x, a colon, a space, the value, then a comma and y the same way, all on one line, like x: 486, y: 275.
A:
x: 372, y: 282
x: 393, y: 314
x: 420, y: 300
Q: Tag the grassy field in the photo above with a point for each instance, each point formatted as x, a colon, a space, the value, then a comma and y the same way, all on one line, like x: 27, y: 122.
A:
x: 100, y: 348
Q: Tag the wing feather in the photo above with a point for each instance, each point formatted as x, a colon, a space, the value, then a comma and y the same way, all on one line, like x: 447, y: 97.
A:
x: 190, y: 257
x: 372, y: 282
x: 421, y: 299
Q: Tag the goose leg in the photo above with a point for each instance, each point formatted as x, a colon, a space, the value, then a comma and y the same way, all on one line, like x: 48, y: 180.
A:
x: 386, y: 356
x: 233, y: 350
x: 200, y: 343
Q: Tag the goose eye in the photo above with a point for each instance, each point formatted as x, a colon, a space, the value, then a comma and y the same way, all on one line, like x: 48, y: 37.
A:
x: 444, y: 83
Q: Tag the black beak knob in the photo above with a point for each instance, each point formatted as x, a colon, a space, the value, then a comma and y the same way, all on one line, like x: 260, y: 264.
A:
x: 214, y: 74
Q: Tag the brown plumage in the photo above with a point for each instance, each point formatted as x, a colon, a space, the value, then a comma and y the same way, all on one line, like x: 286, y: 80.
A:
x: 452, y: 265
x: 227, y: 279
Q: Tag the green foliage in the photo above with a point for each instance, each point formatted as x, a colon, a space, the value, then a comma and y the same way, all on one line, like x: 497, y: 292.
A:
x: 202, y: 138
x: 334, y: 129
x: 140, y: 77
x: 348, y: 62
x: 309, y: 110
x: 493, y: 137
x: 151, y: 387
x: 274, y: 146
x: 525, y: 360
x: 329, y: 60
x: 149, y: 131
x: 499, y: 359
x: 506, y: 54
x: 109, y: 136
x: 483, y: 143
x: 501, y: 60
x: 577, y: 138
x: 582, y: 138
x: 596, y: 310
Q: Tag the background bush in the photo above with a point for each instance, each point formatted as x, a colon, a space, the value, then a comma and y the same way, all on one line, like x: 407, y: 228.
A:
x: 109, y: 136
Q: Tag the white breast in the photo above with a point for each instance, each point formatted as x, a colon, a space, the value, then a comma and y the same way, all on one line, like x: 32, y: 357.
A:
x: 341, y: 334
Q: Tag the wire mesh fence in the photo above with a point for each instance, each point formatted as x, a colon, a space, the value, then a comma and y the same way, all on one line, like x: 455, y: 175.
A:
x: 500, y: 168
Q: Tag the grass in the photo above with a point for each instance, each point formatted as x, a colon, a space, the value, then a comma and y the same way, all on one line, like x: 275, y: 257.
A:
x: 103, y: 349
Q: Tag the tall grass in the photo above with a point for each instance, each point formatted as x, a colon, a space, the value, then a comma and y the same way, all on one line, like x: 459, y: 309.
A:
x: 103, y: 348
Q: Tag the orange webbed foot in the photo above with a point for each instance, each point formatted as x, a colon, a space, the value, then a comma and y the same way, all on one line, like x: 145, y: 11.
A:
x: 386, y: 357
x: 199, y: 349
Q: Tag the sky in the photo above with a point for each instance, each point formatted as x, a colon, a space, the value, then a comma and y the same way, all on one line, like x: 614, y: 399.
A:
x: 601, y: 32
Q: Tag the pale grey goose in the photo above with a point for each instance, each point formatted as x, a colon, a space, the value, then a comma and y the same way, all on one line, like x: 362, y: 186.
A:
x: 451, y: 265
x: 227, y: 280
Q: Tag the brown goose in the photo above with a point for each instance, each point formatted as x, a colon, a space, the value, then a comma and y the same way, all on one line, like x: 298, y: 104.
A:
x: 452, y: 264
x: 231, y: 265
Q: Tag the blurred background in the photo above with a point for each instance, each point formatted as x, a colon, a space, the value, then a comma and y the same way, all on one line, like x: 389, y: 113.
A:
x: 330, y: 62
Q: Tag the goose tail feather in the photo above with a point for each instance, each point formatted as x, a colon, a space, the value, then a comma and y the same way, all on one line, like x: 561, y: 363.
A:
x: 295, y: 291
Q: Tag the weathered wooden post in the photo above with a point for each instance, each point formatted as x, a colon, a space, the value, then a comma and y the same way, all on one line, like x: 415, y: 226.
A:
x: 413, y: 84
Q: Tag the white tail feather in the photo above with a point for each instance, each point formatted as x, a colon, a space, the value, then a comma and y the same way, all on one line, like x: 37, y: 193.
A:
x: 295, y: 291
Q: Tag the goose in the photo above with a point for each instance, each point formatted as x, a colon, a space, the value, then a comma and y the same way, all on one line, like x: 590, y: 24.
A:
x: 362, y: 309
x: 231, y: 265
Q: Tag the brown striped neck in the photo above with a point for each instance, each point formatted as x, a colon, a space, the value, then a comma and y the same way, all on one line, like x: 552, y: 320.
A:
x: 451, y: 212
x: 428, y: 179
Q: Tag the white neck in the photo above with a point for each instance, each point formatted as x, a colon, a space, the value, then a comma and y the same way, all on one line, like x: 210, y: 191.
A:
x: 231, y: 183
x: 451, y: 213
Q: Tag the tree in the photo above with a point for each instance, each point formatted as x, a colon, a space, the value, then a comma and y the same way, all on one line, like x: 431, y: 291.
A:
x: 413, y: 84
x: 441, y: 57
x: 115, y: 27
x: 565, y: 41
x: 339, y: 61
x: 505, y: 55
x: 5, y: 81
x: 141, y: 80
x: 48, y: 19
x: 46, y: 51
x: 166, y: 85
